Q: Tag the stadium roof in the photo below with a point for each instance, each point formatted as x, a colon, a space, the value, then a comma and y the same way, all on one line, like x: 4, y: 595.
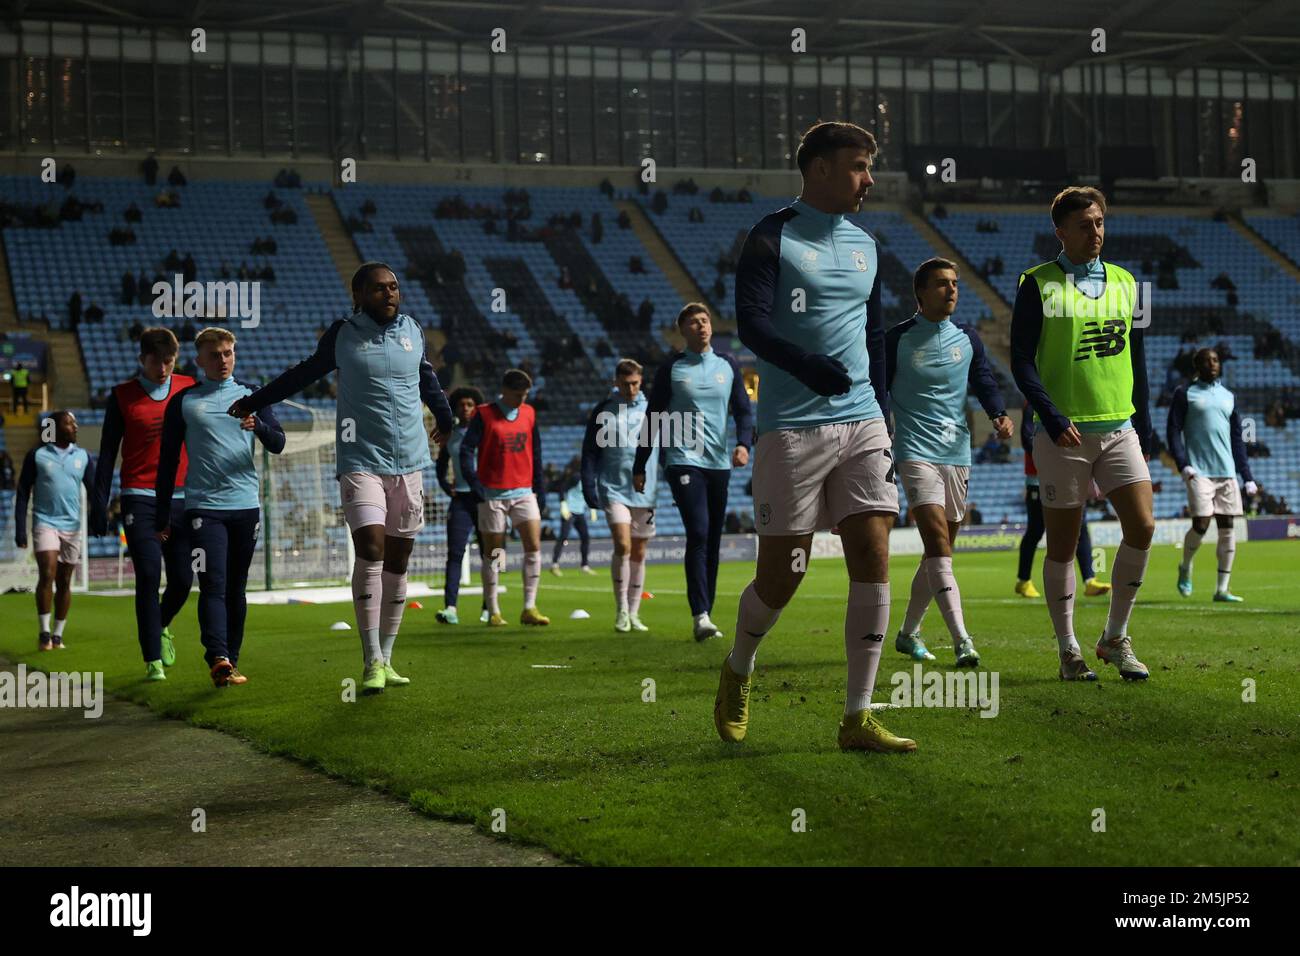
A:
x: 1249, y: 34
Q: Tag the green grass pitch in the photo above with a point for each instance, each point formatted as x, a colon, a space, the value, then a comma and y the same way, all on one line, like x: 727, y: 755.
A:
x: 1185, y: 771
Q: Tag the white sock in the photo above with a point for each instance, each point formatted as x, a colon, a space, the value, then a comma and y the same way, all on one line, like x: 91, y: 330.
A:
x: 1125, y: 579
x: 635, y: 585
x: 1191, y: 541
x: 753, y: 620
x: 58, y: 625
x: 1226, y: 551
x: 45, y: 621
x: 943, y: 584
x: 919, y: 602
x: 618, y: 570
x: 866, y: 619
x: 366, y: 596
x: 1058, y: 589
x: 532, y: 577
x: 393, y: 607
x: 489, y: 572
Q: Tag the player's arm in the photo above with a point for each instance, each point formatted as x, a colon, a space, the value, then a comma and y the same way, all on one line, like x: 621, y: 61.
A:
x: 88, y: 478
x: 539, y: 476
x: 434, y: 398
x: 892, y: 338
x: 1141, y: 390
x: 110, y: 440
x: 440, y: 471
x: 469, y: 454
x: 1239, y: 447
x: 661, y: 393
x: 591, y: 452
x: 292, y: 381
x: 980, y: 378
x: 756, y: 285
x: 1027, y: 428
x: 1026, y: 327
x: 741, y: 408
x: 169, y: 459
x: 876, y: 347
x: 1174, y: 427
x: 26, y: 482
x: 268, y: 430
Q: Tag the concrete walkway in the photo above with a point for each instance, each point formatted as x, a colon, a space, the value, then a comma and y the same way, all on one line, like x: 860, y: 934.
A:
x: 121, y: 791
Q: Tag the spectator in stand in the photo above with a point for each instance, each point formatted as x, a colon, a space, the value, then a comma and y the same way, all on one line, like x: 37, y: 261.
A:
x: 717, y: 195
x: 743, y: 195
x: 695, y: 215
x: 597, y: 228
x: 624, y: 220
x: 150, y: 170
x: 6, y: 472
x: 607, y: 188
x: 74, y: 308
x: 94, y: 313
x: 135, y: 331
x: 68, y: 176
x: 128, y: 288
x: 660, y: 202
x: 143, y: 289
x: 189, y: 268
x: 635, y: 266
x: 176, y: 177
x: 271, y: 200
x: 368, y: 208
x: 133, y: 213
x: 566, y: 281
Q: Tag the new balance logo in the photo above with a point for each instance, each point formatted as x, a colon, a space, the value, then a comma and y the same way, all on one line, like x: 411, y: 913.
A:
x: 875, y: 638
x: 517, y: 441
x: 1068, y: 596
x: 942, y: 590
x: 1102, y: 339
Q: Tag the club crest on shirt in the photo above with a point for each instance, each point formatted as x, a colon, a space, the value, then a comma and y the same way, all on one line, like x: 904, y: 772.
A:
x: 720, y: 378
x: 809, y: 262
x: 859, y: 260
x: 956, y: 353
x: 406, y: 343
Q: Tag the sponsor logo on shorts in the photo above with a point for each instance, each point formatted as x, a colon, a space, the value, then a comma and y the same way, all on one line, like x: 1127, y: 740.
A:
x: 1050, y: 492
x: 684, y: 480
x: 130, y: 520
x: 196, y: 524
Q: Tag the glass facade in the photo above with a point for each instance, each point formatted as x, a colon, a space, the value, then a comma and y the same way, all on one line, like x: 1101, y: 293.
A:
x: 276, y: 93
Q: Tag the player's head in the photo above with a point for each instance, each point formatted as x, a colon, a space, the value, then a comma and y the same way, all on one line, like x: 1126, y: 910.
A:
x: 65, y: 426
x: 158, y: 351
x: 835, y: 162
x: 695, y: 325
x: 216, y: 353
x: 514, y: 387
x: 935, y: 284
x: 465, y: 401
x: 1079, y: 214
x: 375, y: 292
x: 1206, y: 363
x: 627, y: 379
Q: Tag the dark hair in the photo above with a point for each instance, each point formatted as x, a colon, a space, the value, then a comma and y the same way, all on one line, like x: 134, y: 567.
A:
x: 627, y: 366
x: 159, y: 341
x: 516, y: 378
x: 922, y: 274
x: 1073, y: 198
x: 1203, y: 355
x: 362, y: 274
x: 690, y: 309
x: 822, y: 139
x: 463, y: 392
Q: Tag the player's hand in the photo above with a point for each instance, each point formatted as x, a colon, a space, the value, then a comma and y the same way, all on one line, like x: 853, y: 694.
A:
x: 1004, y: 427
x: 438, y: 437
x: 1070, y: 438
x: 594, y: 514
x: 1252, y: 489
x: 740, y: 457
x: 1190, y: 472
x: 638, y: 482
x: 21, y: 543
x: 564, y: 510
x: 824, y: 375
x: 238, y: 409
x: 164, y: 534
x: 248, y: 423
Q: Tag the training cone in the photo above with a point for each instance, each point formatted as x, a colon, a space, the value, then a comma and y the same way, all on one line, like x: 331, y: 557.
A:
x: 297, y: 601
x: 416, y: 606
x: 340, y: 626
x: 647, y: 596
x: 579, y: 615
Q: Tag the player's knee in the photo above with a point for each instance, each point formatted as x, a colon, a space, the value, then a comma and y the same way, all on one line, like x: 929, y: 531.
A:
x: 1201, y: 525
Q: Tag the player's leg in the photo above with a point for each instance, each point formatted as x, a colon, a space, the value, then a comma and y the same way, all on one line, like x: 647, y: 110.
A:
x: 636, y: 580
x: 460, y: 523
x: 405, y: 504
x: 492, y: 561
x: 178, y: 559
x: 1083, y: 554
x: 47, y: 562
x: 690, y: 495
x: 717, y: 485
x: 560, y: 539
x: 210, y: 542
x: 1226, y: 551
x: 484, y: 613
x: 527, y: 518
x: 1034, y: 531
x: 146, y: 553
x: 621, y: 537
x: 932, y: 523
x: 1200, y: 505
x: 926, y: 518
x: 365, y: 508
x: 63, y: 574
x: 1133, y: 506
x: 242, y: 528
x: 584, y: 537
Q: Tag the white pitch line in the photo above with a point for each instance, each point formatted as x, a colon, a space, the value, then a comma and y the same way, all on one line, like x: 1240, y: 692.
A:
x: 550, y: 666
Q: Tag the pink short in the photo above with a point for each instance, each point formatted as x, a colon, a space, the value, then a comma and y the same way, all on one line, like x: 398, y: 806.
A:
x: 67, y: 543
x: 394, y: 501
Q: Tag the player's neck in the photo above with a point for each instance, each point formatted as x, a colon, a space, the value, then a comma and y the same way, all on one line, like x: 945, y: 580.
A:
x: 1078, y: 262
x: 933, y: 319
x: 823, y: 204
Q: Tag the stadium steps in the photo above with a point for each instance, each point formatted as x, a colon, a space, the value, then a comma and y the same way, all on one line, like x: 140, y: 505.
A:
x: 674, y: 270
x: 342, y: 250
x: 997, y: 334
x: 1281, y: 259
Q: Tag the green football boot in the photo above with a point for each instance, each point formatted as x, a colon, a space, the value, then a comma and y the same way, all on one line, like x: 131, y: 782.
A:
x: 967, y: 656
x: 375, y: 678
x: 168, y: 647
x: 153, y: 670
x: 394, y: 679
x: 447, y: 616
